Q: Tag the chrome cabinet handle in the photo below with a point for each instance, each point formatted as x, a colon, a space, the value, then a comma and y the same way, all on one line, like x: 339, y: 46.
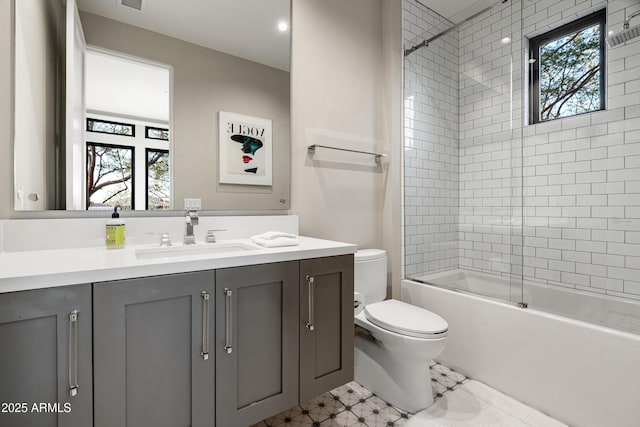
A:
x: 205, y: 325
x: 73, y: 353
x: 311, y: 288
x: 228, y: 343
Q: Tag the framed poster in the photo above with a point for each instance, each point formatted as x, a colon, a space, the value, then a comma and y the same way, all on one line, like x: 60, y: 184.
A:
x: 246, y: 150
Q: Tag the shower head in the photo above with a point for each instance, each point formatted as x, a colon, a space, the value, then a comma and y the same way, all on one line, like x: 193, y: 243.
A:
x: 623, y: 36
x: 627, y: 33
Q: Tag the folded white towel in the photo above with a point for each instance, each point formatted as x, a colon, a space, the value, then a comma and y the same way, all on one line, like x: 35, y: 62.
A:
x: 270, y: 235
x: 275, y: 242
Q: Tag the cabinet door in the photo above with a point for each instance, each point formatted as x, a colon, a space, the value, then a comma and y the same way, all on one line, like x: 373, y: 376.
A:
x: 256, y: 342
x: 45, y: 357
x: 326, y: 324
x: 149, y: 351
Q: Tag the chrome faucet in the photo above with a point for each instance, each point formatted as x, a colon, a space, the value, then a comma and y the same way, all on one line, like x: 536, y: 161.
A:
x: 191, y: 219
x: 211, y: 238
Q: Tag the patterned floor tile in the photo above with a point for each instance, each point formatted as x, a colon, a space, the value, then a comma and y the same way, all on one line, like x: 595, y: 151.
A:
x: 321, y: 407
x: 447, y: 381
x: 350, y: 419
x: 331, y: 422
x: 351, y: 393
x: 380, y: 411
x: 457, y: 376
x: 373, y: 419
x: 438, y: 389
x: 352, y: 405
x: 400, y: 422
x: 404, y: 414
x: 439, y: 368
x: 293, y: 417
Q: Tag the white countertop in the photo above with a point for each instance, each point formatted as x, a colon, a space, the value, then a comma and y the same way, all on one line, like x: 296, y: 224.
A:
x: 59, y: 267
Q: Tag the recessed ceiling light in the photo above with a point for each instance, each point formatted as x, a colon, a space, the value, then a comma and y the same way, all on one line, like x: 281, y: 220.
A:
x: 283, y: 26
x: 505, y: 40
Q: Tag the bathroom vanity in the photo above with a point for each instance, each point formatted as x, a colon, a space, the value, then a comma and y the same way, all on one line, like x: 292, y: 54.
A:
x: 224, y: 339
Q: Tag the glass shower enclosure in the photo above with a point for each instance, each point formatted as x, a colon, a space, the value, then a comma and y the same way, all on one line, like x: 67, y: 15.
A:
x: 540, y: 213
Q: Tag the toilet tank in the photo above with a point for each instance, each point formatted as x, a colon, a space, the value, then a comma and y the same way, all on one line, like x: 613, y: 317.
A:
x: 370, y: 274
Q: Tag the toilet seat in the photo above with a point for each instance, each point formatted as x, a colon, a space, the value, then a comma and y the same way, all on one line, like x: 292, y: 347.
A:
x: 406, y: 319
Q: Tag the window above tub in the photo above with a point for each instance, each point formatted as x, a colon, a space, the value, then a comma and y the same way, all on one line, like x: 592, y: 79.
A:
x: 567, y: 74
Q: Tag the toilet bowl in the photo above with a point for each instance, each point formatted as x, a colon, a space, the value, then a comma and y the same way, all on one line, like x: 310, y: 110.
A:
x: 394, y: 340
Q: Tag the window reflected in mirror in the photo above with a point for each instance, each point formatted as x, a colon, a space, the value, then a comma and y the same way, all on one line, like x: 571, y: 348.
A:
x: 127, y: 133
x: 158, y: 183
x: 125, y: 167
x: 114, y: 128
x: 157, y: 133
x: 110, y: 176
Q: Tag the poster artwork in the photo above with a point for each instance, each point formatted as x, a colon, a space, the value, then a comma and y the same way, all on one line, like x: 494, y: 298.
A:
x: 245, y: 150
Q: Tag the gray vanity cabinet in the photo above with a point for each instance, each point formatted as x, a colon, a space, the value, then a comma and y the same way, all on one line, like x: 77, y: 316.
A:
x: 326, y: 324
x: 256, y: 343
x: 151, y: 361
x: 45, y: 357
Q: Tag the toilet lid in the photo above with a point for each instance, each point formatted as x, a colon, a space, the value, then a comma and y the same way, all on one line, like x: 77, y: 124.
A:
x: 369, y: 254
x: 406, y: 319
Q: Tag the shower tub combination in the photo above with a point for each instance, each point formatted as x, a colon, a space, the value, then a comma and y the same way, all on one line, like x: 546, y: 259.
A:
x: 487, y: 184
x: 582, y: 372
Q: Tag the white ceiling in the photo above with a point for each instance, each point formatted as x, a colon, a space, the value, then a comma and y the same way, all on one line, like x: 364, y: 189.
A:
x: 244, y: 28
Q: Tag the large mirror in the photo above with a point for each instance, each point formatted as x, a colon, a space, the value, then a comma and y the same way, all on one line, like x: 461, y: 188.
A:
x: 118, y: 102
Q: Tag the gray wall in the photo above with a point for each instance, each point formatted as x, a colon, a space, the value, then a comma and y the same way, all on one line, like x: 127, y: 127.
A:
x: 393, y: 59
x: 344, y: 88
x: 337, y: 58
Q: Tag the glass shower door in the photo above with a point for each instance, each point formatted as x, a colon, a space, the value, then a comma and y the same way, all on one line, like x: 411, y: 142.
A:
x: 463, y: 149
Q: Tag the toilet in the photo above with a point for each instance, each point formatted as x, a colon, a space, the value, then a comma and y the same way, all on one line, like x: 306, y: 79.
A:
x: 394, y: 340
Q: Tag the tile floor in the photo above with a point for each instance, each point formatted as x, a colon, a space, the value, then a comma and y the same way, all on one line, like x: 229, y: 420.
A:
x: 354, y: 405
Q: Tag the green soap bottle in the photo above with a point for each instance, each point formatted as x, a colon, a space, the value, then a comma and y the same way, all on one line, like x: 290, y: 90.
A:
x: 115, y: 230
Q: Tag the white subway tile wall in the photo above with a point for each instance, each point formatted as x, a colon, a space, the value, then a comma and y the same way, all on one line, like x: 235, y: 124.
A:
x: 431, y: 144
x: 490, y: 144
x: 557, y: 202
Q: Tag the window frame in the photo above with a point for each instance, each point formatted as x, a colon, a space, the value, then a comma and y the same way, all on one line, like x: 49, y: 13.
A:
x: 133, y: 168
x: 131, y: 125
x: 146, y: 175
x: 598, y: 17
x: 148, y: 128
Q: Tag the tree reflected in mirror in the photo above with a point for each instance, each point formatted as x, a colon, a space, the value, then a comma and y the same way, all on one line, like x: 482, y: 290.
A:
x: 158, y: 180
x: 109, y: 176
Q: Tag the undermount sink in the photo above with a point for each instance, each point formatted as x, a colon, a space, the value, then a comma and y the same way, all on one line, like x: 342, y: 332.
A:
x: 196, y: 249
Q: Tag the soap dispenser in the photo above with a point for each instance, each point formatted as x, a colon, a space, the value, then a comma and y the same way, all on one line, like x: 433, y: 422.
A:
x: 115, y: 230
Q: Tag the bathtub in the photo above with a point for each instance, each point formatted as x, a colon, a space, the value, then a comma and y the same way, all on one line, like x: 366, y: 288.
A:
x: 581, y: 373
x: 603, y: 310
